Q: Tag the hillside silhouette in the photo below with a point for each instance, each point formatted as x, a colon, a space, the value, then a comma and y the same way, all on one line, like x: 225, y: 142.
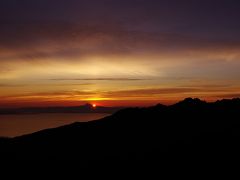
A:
x: 192, y: 137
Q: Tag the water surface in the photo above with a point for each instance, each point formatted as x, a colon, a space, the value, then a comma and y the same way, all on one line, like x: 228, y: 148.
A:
x: 16, y: 125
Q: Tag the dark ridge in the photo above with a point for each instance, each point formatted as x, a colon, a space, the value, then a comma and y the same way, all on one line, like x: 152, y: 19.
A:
x: 191, y: 138
x: 228, y: 103
x: 191, y: 102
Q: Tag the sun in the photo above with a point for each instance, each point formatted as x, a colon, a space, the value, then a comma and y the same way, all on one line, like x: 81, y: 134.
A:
x: 94, y: 105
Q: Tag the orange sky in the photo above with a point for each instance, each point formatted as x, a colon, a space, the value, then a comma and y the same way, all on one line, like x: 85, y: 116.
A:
x: 120, y: 53
x: 143, y: 78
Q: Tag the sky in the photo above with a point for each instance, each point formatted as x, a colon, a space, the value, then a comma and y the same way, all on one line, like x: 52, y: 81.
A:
x: 118, y: 52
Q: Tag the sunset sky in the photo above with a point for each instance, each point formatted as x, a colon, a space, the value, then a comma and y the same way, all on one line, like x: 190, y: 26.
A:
x: 118, y: 52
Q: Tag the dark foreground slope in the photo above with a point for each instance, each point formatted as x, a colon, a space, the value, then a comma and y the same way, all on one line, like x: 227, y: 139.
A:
x: 191, y: 137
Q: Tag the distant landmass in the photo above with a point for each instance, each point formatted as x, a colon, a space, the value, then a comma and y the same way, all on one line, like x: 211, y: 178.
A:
x: 87, y: 108
x: 192, y: 138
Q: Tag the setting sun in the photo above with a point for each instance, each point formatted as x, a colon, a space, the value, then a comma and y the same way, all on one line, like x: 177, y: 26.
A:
x: 94, y: 105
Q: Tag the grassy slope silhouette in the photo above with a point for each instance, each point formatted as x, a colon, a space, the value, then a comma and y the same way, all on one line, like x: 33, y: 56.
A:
x: 190, y: 136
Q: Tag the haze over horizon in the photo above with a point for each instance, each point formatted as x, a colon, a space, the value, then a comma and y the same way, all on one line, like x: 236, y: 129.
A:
x: 118, y: 52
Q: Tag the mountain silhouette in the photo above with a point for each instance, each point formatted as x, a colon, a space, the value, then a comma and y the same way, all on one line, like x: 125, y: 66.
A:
x: 191, y: 138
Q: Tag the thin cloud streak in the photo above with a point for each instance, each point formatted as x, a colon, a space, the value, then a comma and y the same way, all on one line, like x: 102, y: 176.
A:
x: 99, y: 79
x: 12, y: 85
x: 148, y: 93
x: 228, y: 96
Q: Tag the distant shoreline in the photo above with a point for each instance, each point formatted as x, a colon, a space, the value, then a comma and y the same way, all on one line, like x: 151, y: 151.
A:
x: 87, y: 108
x: 13, y: 125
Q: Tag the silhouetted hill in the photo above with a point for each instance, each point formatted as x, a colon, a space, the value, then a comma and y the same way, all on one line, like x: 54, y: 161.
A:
x: 190, y: 102
x: 191, y: 138
x: 87, y: 108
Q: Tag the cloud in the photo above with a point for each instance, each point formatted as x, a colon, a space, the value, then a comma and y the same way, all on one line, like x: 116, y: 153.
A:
x: 228, y: 96
x: 99, y: 79
x: 180, y: 92
x: 72, y: 41
x: 58, y: 95
x: 12, y: 85
x: 149, y: 92
x: 44, y: 84
x: 208, y: 86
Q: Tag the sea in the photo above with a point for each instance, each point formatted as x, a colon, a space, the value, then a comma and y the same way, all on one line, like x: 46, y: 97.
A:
x: 21, y: 124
